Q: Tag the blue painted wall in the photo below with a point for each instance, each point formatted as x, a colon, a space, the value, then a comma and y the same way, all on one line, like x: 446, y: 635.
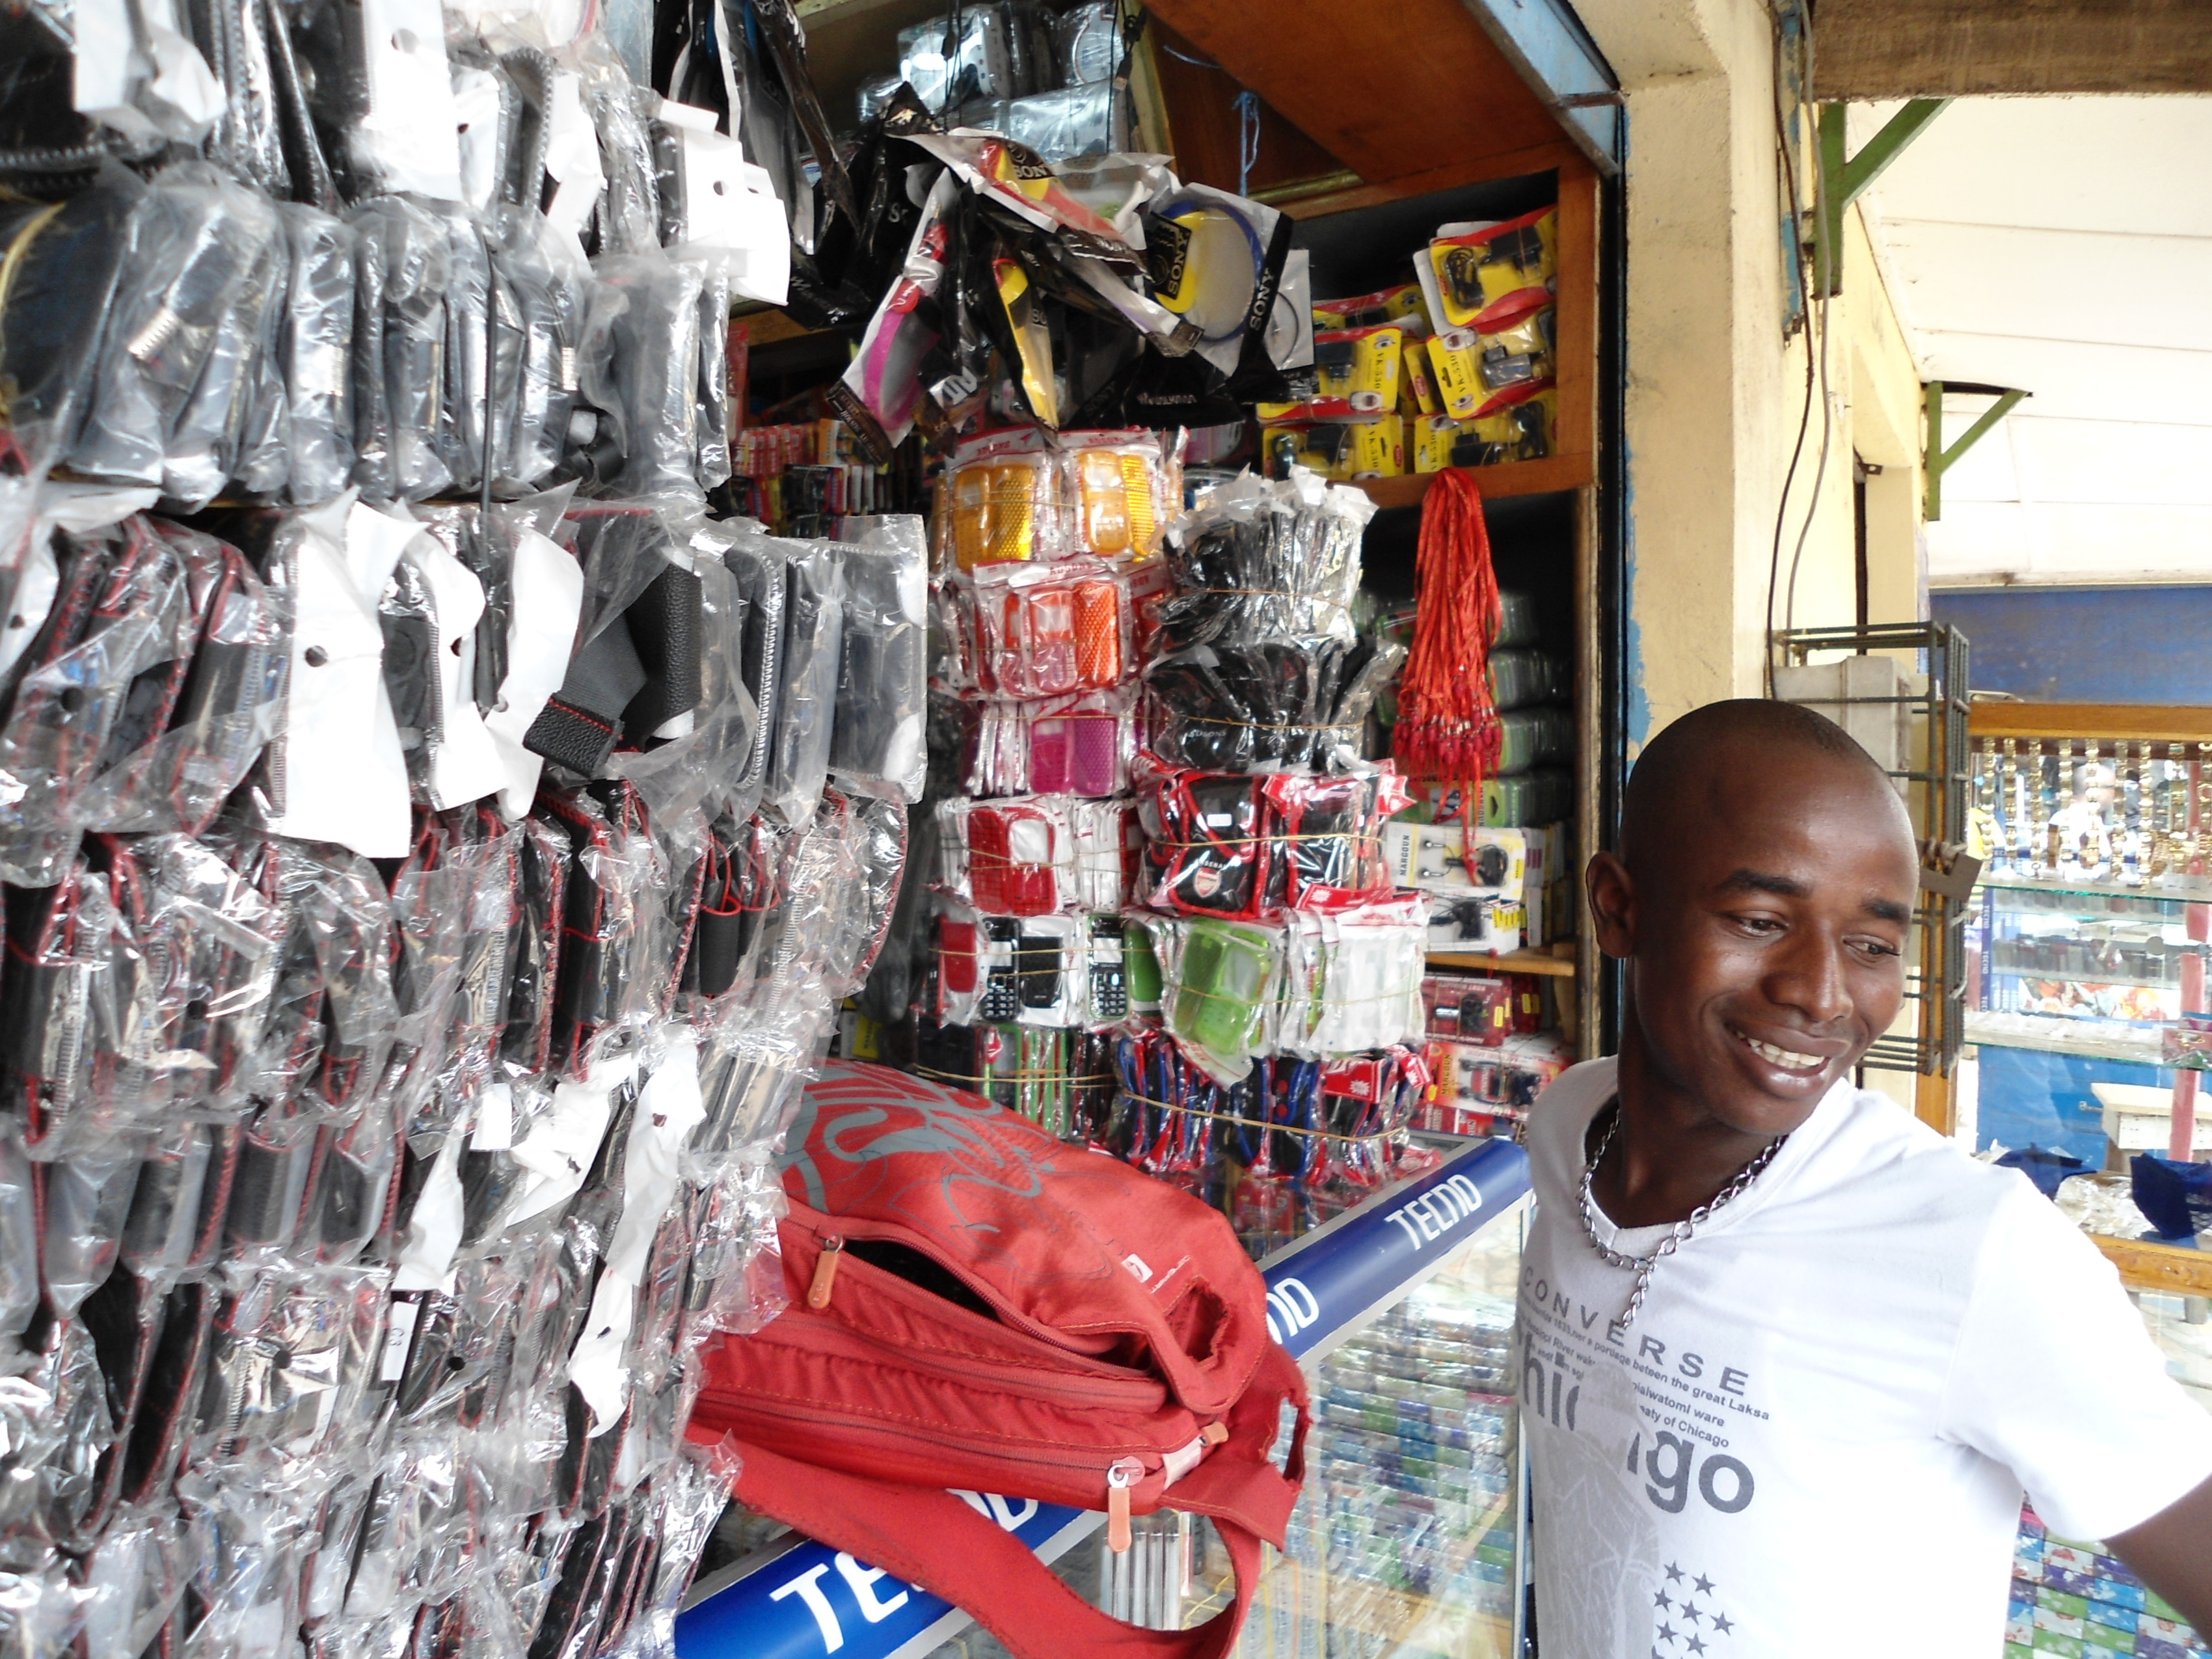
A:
x: 2085, y: 644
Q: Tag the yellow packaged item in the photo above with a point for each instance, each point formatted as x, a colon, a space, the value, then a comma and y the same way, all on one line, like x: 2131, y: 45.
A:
x: 1002, y: 509
x: 1402, y: 303
x: 1520, y: 430
x: 1125, y: 487
x: 1417, y: 393
x: 1486, y: 275
x: 1456, y: 359
x: 1479, y: 371
x: 1337, y: 450
x: 1355, y: 376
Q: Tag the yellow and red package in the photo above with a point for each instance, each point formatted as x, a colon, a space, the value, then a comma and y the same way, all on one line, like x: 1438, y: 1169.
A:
x: 1355, y: 376
x: 1522, y: 429
x: 1480, y: 371
x: 1399, y: 304
x: 1337, y: 450
x: 1417, y: 385
x: 1489, y: 274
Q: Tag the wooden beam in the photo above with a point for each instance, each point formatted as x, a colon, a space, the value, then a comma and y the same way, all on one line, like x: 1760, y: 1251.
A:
x: 1429, y: 90
x: 2148, y: 1267
x: 1518, y: 962
x: 2149, y: 722
x: 1870, y: 49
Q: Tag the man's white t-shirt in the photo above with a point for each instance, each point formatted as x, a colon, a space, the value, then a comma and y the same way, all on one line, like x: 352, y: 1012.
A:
x: 1813, y: 1439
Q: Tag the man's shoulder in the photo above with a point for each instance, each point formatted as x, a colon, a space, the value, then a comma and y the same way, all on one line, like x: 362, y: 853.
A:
x: 1557, y: 1119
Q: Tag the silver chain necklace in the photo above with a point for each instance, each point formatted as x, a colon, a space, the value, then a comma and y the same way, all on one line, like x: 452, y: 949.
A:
x: 1644, y: 1266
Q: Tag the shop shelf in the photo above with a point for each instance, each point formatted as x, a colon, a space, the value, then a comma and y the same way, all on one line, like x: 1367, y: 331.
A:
x: 2054, y: 1033
x: 1514, y: 961
x: 2198, y: 889
x: 1547, y: 477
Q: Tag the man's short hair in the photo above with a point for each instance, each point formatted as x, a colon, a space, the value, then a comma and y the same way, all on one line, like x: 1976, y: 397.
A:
x: 1672, y: 757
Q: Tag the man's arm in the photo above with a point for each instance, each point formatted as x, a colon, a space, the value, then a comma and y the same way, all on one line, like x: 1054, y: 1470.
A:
x: 2171, y: 1553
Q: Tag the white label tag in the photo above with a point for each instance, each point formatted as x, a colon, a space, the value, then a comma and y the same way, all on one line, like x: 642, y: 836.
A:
x: 398, y: 1338
x: 495, y: 1130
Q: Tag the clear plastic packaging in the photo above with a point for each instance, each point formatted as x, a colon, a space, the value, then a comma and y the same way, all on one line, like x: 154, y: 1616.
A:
x: 399, y: 345
x: 881, y: 684
x: 1076, y: 121
x: 315, y: 351
x: 188, y: 739
x: 1221, y: 981
x: 807, y: 680
x: 1003, y: 502
x: 640, y: 368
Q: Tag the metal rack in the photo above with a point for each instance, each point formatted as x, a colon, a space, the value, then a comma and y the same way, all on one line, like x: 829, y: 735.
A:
x: 1936, y: 795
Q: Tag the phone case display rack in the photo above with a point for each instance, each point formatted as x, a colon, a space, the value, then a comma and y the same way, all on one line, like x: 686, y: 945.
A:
x: 426, y: 889
x: 1435, y: 1456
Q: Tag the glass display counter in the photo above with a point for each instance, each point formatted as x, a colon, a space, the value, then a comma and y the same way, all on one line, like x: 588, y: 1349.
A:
x: 1409, y: 1540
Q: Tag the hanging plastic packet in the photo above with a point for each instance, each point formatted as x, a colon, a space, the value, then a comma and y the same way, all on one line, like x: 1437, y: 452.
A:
x: 315, y: 351
x: 120, y: 611
x: 55, y: 313
x: 200, y: 245
x: 637, y: 667
x: 541, y: 272
x: 187, y: 739
x: 641, y: 368
x: 1221, y: 979
x: 1267, y: 560
x: 881, y: 684
x: 1124, y: 487
x: 1210, y: 846
x: 399, y: 457
x: 879, y: 395
x: 1005, y: 503
x: 807, y: 680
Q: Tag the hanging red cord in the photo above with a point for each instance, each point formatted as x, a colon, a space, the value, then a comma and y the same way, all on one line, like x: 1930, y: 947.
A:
x: 1447, y: 730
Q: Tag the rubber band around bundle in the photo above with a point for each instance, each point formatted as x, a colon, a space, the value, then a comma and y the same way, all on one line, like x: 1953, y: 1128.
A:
x: 1261, y: 1123
x: 1261, y: 725
x: 975, y: 1084
x: 1375, y: 839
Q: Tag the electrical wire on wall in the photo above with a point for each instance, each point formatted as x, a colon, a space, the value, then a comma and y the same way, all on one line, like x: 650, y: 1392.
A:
x: 1798, y: 25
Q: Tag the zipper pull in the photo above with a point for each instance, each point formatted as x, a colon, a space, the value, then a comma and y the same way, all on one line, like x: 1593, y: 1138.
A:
x: 1214, y: 1433
x: 825, y: 1272
x: 1119, y: 1479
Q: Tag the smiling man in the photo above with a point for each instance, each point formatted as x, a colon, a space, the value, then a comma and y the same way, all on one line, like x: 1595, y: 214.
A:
x: 1788, y: 1358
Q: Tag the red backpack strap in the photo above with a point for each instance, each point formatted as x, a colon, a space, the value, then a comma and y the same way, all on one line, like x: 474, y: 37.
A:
x: 934, y: 1539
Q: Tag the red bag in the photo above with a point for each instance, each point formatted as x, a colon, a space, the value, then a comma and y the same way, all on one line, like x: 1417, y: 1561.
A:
x: 976, y: 1305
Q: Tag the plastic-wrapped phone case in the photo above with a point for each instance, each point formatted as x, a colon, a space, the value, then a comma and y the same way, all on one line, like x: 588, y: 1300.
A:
x: 806, y: 679
x: 1003, y: 508
x: 882, y: 670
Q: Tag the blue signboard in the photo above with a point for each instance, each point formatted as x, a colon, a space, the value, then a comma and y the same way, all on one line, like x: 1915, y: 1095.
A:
x: 812, y: 1601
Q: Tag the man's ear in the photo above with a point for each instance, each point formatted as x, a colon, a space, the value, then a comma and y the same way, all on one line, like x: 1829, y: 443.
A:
x: 1612, y: 904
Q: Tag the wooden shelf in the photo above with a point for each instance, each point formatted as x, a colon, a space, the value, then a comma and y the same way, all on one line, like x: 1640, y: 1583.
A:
x: 1548, y: 476
x: 2146, y: 1266
x: 1519, y: 961
x: 2141, y: 722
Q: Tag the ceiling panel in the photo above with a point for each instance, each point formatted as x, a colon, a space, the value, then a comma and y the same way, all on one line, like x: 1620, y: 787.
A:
x: 2054, y: 284
x: 2071, y: 378
x: 2078, y: 163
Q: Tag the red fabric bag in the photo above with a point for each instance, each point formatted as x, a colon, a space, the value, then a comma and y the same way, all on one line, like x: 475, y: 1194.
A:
x: 977, y: 1306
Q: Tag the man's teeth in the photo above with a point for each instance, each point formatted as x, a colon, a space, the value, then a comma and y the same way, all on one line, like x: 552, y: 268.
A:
x: 1788, y: 1059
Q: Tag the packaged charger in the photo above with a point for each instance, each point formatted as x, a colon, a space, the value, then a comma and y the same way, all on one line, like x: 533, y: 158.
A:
x: 1337, y: 450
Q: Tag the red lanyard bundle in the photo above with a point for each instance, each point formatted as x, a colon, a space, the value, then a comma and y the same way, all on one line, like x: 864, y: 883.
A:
x: 1448, y: 728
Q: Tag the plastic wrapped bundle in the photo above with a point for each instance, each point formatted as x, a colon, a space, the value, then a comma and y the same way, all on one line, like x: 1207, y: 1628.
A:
x: 806, y: 679
x: 315, y: 349
x: 187, y: 314
x: 640, y: 369
x: 882, y: 683
x: 1266, y: 562
x: 399, y: 349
